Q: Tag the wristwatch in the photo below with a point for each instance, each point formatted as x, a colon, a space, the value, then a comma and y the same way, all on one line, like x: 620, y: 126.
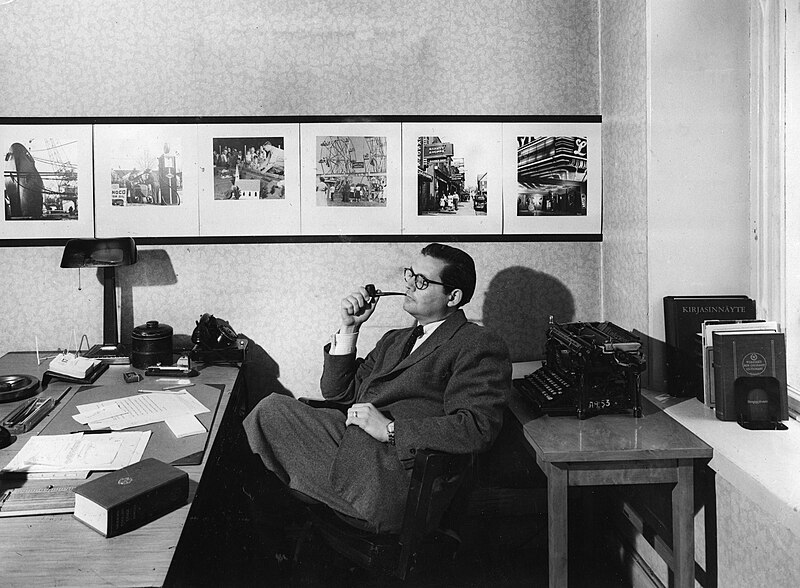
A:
x: 390, y: 431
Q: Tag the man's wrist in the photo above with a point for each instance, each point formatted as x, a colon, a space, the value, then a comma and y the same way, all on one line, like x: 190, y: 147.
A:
x: 390, y: 432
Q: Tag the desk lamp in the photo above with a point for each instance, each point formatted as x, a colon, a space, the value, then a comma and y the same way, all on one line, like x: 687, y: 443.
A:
x: 106, y: 254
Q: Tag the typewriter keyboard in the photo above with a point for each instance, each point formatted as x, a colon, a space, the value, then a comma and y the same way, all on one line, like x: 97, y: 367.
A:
x: 549, y: 390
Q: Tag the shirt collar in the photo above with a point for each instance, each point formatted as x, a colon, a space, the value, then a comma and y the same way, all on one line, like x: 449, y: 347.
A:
x: 431, y: 327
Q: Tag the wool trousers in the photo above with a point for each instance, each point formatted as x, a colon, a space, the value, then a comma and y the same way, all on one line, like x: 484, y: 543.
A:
x: 298, y: 444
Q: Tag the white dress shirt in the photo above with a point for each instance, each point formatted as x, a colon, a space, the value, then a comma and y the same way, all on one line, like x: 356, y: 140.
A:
x: 345, y: 343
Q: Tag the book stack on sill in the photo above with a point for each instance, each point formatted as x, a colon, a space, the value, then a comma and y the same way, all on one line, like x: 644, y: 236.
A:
x: 683, y: 322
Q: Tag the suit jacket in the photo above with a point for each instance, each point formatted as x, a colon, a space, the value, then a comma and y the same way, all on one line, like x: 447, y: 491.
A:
x: 448, y: 395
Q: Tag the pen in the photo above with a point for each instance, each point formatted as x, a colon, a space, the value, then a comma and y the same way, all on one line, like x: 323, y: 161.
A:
x: 29, y: 408
x: 64, y: 393
x: 92, y: 432
x: 177, y: 386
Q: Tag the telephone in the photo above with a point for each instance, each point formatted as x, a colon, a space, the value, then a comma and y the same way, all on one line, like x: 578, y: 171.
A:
x: 215, y: 340
x: 213, y: 334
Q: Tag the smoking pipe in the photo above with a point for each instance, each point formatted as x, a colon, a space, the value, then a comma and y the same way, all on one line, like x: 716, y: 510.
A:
x: 375, y: 293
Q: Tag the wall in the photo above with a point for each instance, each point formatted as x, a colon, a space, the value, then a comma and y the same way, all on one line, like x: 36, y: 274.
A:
x: 625, y: 170
x: 101, y: 58
x: 676, y: 111
x: 698, y: 176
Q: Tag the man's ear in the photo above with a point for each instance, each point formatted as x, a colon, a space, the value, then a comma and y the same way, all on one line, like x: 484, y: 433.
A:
x: 454, y: 298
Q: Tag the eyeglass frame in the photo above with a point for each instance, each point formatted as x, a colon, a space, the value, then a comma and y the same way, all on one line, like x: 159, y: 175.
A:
x: 425, y: 280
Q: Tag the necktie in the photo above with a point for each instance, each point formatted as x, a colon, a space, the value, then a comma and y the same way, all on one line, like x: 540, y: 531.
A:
x: 415, y: 334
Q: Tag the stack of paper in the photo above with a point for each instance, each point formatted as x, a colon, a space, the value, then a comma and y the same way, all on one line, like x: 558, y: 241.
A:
x: 77, y: 452
x: 176, y: 409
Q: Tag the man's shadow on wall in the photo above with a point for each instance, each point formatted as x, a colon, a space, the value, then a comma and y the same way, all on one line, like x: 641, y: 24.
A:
x: 503, y: 508
x: 518, y: 306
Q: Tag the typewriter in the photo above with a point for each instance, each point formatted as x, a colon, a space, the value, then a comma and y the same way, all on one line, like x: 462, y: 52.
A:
x: 590, y: 368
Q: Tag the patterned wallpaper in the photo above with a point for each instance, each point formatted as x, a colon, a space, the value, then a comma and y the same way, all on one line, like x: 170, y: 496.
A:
x: 285, y: 297
x: 624, y: 97
x: 276, y: 57
x: 115, y: 58
x: 755, y: 549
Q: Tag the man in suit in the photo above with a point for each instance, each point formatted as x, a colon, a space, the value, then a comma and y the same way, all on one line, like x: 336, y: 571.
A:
x: 441, y: 385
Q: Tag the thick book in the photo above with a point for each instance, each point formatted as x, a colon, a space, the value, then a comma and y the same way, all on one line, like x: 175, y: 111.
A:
x: 683, y: 319
x: 711, y: 327
x: 130, y: 497
x: 750, y: 376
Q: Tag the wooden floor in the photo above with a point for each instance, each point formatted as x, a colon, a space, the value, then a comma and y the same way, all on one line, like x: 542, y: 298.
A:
x: 222, y: 545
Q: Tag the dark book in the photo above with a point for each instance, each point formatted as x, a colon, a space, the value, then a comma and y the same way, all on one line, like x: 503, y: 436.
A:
x: 750, y: 376
x: 683, y: 320
x: 130, y: 497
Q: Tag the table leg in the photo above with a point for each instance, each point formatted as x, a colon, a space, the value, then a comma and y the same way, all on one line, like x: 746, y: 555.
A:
x: 557, y: 517
x: 683, y: 525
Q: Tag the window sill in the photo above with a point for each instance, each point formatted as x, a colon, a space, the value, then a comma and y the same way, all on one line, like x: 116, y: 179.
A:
x: 763, y: 465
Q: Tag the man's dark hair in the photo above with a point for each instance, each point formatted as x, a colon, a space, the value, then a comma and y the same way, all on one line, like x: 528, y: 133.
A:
x: 459, y: 269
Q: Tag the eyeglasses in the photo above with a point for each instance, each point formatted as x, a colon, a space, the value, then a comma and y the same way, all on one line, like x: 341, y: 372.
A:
x: 420, y: 281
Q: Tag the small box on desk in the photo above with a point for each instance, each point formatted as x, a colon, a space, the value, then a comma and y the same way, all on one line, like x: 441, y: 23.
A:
x: 750, y: 378
x: 128, y: 498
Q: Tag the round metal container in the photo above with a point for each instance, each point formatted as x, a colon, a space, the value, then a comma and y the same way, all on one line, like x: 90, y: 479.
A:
x: 151, y: 344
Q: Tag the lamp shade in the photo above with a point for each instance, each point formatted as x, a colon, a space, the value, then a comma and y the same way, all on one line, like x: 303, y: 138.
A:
x: 112, y: 252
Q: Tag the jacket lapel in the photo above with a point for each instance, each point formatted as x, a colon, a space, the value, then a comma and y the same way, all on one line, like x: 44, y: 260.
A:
x: 442, y: 334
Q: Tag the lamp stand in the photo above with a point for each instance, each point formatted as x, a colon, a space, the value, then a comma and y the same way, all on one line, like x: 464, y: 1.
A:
x: 111, y: 351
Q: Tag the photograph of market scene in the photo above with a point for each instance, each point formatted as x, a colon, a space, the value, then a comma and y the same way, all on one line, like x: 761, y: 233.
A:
x: 551, y: 176
x: 351, y: 171
x: 249, y: 168
x: 447, y: 184
x: 151, y: 173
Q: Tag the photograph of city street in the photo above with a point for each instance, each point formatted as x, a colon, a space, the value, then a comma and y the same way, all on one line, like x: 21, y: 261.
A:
x: 552, y: 176
x: 351, y: 171
x: 249, y: 168
x: 452, y: 176
x: 41, y: 178
x: 146, y: 171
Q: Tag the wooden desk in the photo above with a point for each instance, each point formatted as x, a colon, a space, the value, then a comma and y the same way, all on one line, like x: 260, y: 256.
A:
x: 57, y: 550
x: 611, y: 450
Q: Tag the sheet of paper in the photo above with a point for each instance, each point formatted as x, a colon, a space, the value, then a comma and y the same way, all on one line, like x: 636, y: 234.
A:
x: 77, y: 451
x: 184, y: 426
x: 141, y: 409
x: 101, y: 413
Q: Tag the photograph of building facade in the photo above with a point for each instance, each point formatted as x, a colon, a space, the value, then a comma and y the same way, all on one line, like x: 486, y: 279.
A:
x: 551, y: 172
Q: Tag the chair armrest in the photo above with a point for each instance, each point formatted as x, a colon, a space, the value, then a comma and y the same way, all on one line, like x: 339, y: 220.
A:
x: 436, y: 463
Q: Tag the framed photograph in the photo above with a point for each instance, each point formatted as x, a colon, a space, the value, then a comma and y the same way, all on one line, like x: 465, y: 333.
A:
x: 552, y: 178
x: 249, y: 179
x: 452, y: 178
x: 146, y: 180
x: 47, y: 181
x: 350, y: 178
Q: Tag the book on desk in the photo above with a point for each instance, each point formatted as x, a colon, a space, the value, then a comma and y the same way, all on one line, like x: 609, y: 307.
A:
x: 130, y: 497
x: 73, y: 368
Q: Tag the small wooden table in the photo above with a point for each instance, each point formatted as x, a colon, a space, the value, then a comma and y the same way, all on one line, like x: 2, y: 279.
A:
x: 612, y: 450
x: 58, y: 550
